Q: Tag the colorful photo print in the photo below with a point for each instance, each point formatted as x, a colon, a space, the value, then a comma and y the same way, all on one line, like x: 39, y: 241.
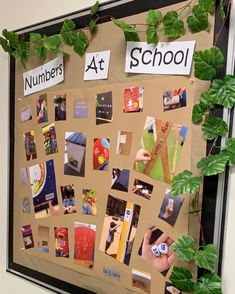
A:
x: 170, y: 289
x: 155, y: 249
x: 104, y: 108
x: 141, y: 280
x: 80, y: 108
x: 23, y: 177
x: 25, y: 113
x: 26, y: 207
x: 120, y: 179
x: 61, y: 242
x: 84, y: 244
x: 41, y: 109
x: 75, y: 151
x: 119, y: 229
x: 68, y: 198
x: 27, y: 236
x: 109, y: 272
x: 124, y: 143
x: 170, y: 208
x: 43, y: 239
x: 101, y: 149
x: 174, y: 99
x: 89, y: 202
x: 133, y: 99
x: 30, y: 146
x: 43, y: 186
x: 60, y: 107
x: 50, y: 141
x: 142, y: 189
x: 160, y: 149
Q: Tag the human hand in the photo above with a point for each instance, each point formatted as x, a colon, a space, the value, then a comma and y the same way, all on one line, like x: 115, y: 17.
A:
x: 142, y: 155
x: 162, y: 262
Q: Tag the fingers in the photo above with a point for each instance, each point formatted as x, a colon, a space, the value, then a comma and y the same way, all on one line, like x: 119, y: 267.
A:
x: 147, y: 237
x: 171, y: 257
x: 162, y: 239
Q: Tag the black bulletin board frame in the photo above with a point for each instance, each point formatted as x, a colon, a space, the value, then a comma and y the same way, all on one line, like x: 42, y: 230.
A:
x: 117, y: 9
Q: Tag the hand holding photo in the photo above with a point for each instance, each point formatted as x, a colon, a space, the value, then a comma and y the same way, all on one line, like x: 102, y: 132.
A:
x: 155, y: 250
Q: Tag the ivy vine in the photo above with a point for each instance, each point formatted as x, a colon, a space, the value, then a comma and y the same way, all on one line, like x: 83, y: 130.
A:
x: 221, y: 92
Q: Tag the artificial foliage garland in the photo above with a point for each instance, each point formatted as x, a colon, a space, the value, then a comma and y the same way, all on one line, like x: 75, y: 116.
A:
x: 221, y: 92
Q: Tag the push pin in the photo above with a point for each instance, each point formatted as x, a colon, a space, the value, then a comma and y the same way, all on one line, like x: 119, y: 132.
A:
x: 163, y: 248
x: 155, y: 250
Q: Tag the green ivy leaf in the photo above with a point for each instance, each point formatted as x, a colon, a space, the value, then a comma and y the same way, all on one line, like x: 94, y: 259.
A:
x: 129, y: 32
x: 184, y: 248
x: 12, y: 37
x: 208, y: 284
x: 41, y: 52
x: 80, y: 43
x: 154, y: 17
x: 197, y: 115
x: 207, y: 62
x: 214, y: 127
x: 68, y: 25
x: 16, y: 54
x: 52, y: 42
x: 69, y: 37
x: 223, y: 91
x: 222, y: 12
x: 173, y: 25
x: 229, y: 150
x: 182, y: 279
x: 151, y: 34
x: 206, y: 100
x: 206, y: 257
x: 184, y: 183
x: 208, y: 5
x: 213, y: 164
x: 5, y: 45
x: 198, y: 21
x: 35, y: 37
x: 95, y: 8
x: 92, y: 26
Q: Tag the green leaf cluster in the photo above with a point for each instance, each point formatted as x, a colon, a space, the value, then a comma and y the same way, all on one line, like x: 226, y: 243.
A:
x: 153, y: 20
x: 128, y: 30
x: 173, y: 25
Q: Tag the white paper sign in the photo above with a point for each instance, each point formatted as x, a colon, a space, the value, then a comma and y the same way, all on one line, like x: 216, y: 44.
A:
x: 167, y: 58
x: 96, y: 65
x: 43, y: 77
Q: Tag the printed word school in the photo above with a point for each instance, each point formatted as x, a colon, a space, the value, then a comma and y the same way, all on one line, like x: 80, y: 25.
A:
x: 165, y: 58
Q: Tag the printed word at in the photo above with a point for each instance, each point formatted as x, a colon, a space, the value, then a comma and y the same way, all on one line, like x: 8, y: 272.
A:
x: 96, y: 65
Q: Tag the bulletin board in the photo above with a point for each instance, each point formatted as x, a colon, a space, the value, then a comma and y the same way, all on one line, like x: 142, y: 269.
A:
x: 80, y: 198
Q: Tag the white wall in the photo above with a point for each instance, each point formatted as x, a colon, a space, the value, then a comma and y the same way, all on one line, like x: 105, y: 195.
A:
x: 24, y: 13
x: 15, y: 15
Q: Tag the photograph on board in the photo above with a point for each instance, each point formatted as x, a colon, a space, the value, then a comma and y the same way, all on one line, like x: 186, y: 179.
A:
x: 155, y: 249
x: 104, y: 108
x: 61, y: 242
x: 119, y: 229
x: 75, y: 152
x: 84, y: 244
x: 89, y: 199
x: 133, y: 99
x: 60, y: 107
x: 170, y: 289
x: 160, y: 148
x: 143, y: 189
x: 25, y: 113
x: 174, y: 99
x: 80, y: 108
x: 120, y: 179
x: 50, y: 141
x: 141, y: 280
x: 23, y: 177
x: 41, y: 109
x: 68, y: 199
x: 26, y: 206
x: 30, y: 145
x: 27, y: 235
x: 170, y: 208
x: 43, y: 238
x: 124, y: 143
x: 101, y: 149
x: 43, y: 187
